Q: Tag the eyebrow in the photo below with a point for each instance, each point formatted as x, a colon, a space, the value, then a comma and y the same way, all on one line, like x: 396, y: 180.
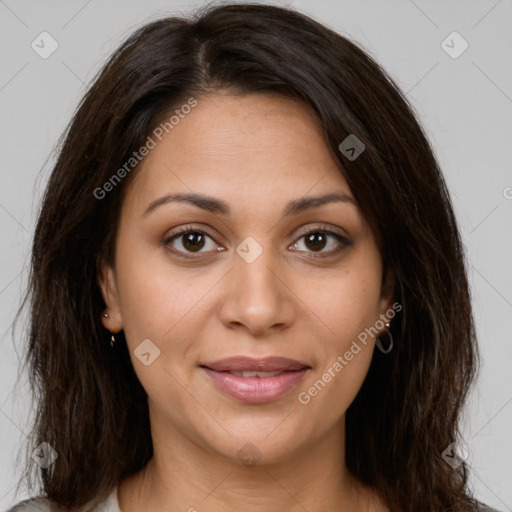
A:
x: 219, y: 207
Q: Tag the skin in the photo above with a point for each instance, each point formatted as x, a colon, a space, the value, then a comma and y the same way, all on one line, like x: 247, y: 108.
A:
x: 256, y: 152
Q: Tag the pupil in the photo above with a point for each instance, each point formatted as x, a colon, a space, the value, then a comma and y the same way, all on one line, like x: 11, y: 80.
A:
x: 313, y: 239
x: 194, y: 241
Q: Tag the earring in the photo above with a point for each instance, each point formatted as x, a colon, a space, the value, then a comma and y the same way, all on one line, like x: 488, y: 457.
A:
x: 112, y: 339
x: 379, y: 343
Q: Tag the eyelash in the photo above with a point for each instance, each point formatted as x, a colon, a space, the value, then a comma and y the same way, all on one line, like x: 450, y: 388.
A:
x: 344, y: 242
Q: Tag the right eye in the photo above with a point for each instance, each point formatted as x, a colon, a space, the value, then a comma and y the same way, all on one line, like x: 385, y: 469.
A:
x: 188, y: 240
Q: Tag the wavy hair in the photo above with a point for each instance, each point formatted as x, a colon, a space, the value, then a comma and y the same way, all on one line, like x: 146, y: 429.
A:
x: 90, y: 405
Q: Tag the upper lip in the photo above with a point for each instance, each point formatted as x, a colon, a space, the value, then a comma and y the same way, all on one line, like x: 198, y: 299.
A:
x: 249, y: 364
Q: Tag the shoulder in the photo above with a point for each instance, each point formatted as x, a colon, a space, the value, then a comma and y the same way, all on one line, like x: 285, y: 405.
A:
x: 33, y: 505
x: 482, y: 507
x: 42, y: 504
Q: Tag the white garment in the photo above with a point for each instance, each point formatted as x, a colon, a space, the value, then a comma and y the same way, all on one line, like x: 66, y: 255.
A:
x: 111, y: 504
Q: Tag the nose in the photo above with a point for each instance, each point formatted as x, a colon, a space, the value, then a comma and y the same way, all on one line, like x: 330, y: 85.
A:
x: 257, y: 297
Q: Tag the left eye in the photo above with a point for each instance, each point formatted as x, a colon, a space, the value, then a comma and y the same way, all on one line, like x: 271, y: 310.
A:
x: 318, y: 240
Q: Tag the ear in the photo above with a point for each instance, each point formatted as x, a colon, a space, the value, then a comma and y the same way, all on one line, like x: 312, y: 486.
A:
x: 387, y: 290
x: 108, y: 287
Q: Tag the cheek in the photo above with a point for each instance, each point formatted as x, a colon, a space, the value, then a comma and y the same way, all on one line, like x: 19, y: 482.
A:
x: 329, y: 394
x: 154, y: 297
x: 158, y: 305
x: 167, y: 305
x: 346, y: 353
x: 348, y: 303
x: 348, y: 306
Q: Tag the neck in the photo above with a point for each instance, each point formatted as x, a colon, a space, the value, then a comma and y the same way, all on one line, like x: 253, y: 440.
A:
x: 183, y: 475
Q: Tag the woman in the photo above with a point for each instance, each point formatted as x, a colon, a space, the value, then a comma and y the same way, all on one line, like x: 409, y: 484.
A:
x: 248, y: 289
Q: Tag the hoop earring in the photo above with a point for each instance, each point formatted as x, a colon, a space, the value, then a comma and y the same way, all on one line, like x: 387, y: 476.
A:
x: 379, y: 343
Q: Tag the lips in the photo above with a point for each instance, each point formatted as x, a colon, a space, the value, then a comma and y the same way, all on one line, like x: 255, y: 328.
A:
x: 248, y: 364
x: 255, y: 380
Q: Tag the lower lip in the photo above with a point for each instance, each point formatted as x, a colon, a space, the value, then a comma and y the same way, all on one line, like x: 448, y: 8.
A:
x: 256, y: 390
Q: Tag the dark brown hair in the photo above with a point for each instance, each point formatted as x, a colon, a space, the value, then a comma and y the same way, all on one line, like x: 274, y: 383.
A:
x: 90, y: 405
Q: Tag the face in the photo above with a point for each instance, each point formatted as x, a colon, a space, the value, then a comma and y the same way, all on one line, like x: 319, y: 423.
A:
x: 257, y: 271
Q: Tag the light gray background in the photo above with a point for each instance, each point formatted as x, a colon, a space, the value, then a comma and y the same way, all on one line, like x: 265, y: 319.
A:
x: 464, y: 103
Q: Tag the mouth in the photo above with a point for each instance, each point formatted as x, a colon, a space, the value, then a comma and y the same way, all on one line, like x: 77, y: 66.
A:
x: 255, y: 381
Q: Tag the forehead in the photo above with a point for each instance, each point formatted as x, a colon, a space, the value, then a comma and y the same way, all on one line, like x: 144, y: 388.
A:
x: 246, y: 147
